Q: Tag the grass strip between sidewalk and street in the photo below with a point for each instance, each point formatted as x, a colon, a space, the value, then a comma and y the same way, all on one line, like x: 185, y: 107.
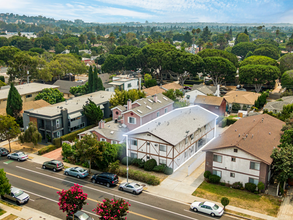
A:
x: 2, y: 212
x: 265, y: 204
x: 10, y: 217
x: 10, y: 205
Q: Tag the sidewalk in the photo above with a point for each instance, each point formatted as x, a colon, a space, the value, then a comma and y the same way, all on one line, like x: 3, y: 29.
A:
x: 26, y: 213
x: 286, y: 209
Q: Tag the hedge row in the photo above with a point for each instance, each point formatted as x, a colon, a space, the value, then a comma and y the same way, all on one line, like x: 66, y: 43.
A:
x: 71, y: 136
x: 231, y: 121
x: 47, y: 149
x: 139, y: 176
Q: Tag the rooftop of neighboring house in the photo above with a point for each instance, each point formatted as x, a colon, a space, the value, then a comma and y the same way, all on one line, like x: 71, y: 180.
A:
x: 205, y: 89
x: 110, y: 130
x: 208, y: 100
x: 89, y: 62
x: 160, y: 89
x: 148, y: 105
x: 173, y: 127
x: 257, y: 135
x: 278, y: 105
x: 25, y: 89
x: 75, y: 104
x: 105, y: 77
x: 242, y: 97
x: 122, y: 79
x: 65, y: 85
x: 29, y: 105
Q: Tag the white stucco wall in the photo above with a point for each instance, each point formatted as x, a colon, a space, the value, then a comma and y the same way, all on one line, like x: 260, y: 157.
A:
x: 192, y: 95
x: 134, y: 84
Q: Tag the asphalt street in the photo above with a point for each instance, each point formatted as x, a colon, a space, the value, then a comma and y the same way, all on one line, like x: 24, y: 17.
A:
x: 42, y: 186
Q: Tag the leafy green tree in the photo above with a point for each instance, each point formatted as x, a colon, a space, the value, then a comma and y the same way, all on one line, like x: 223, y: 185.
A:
x: 206, y: 34
x: 249, y: 54
x: 286, y: 62
x: 219, y: 53
x: 14, y: 102
x: 260, y: 186
x: 7, y: 53
x: 87, y: 149
x: 242, y: 37
x: 9, y: 129
x: 222, y: 41
x: 267, y: 51
x: 90, y: 80
x: 113, y: 63
x: 100, y: 85
x: 125, y: 50
x: 219, y: 69
x: 4, y: 41
x: 258, y: 75
x: 200, y: 42
x: 109, y: 154
x: 96, y: 81
x: 79, y: 90
x: 289, y: 45
x: 121, y: 97
x: 5, y: 186
x: 287, y: 79
x: 51, y: 96
x: 243, y: 48
x: 59, y: 48
x: 37, y: 50
x: 170, y: 94
x: 31, y: 135
x: 259, y: 60
x: 225, y: 201
x: 92, y: 112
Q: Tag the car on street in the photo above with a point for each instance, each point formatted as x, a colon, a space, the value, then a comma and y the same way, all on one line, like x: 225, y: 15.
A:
x: 79, y: 215
x: 16, y: 195
x: 107, y: 179
x: 131, y: 187
x: 3, y: 151
x: 19, y: 156
x: 77, y: 172
x: 208, y: 208
x: 53, y: 165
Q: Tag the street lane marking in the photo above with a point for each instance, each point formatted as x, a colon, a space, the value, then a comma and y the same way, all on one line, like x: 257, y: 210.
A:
x: 194, y: 213
x: 52, y: 187
x: 154, y: 207
x: 8, y: 162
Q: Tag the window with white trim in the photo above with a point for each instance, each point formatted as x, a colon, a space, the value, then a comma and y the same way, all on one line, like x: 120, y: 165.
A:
x: 133, y: 155
x: 162, y: 161
x: 185, y: 154
x: 129, y: 85
x: 233, y: 159
x: 252, y: 180
x: 158, y: 114
x: 217, y: 158
x: 254, y: 165
x: 217, y: 172
x: 131, y: 120
x: 166, y: 110
x: 232, y: 175
x: 163, y: 148
x: 134, y: 142
x: 102, y: 139
x: 114, y: 142
x: 191, y: 136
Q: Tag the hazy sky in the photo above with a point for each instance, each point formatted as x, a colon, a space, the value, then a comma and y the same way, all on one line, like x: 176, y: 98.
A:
x: 229, y: 11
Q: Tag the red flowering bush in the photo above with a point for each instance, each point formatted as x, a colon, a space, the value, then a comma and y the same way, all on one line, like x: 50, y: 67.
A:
x: 72, y: 200
x: 114, y: 209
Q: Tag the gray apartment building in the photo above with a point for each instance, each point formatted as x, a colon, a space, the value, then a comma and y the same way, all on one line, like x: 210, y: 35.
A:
x: 64, y: 117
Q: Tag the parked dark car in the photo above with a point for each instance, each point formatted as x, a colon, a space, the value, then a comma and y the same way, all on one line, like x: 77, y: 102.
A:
x: 107, y: 179
x: 3, y: 151
x: 79, y: 215
x: 53, y: 165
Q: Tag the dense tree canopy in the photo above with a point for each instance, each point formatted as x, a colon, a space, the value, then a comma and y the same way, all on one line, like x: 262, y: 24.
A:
x: 113, y: 63
x: 267, y: 51
x: 93, y: 112
x: 7, y: 53
x: 242, y: 37
x: 125, y: 50
x: 258, y: 75
x: 287, y: 79
x: 9, y: 129
x: 121, y: 97
x: 242, y: 49
x: 286, y: 62
x: 51, y: 96
x: 259, y: 60
x: 219, y: 53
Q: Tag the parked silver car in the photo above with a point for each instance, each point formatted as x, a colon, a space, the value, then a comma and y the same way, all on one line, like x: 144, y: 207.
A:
x: 3, y: 151
x: 131, y: 187
x: 19, y: 156
x: 77, y: 172
x: 208, y: 208
x: 17, y: 195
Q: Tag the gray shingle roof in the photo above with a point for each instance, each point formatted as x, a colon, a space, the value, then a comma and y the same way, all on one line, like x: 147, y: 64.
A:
x: 64, y: 85
x: 173, y: 126
x: 205, y: 89
x: 278, y: 105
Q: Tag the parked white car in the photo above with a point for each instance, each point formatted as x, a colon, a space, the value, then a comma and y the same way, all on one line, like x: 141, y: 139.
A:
x: 208, y: 208
x: 19, y: 156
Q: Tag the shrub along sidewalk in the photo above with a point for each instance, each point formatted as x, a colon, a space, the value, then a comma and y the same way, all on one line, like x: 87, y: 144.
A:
x: 260, y: 203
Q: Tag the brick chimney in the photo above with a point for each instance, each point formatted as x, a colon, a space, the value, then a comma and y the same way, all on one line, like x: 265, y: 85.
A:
x: 155, y: 98
x: 129, y: 104
x: 101, y: 124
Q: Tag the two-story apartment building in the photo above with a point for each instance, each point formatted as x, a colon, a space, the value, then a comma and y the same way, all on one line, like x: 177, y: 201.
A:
x: 174, y: 137
x: 28, y: 92
x: 131, y: 116
x: 142, y: 111
x: 64, y: 117
x: 125, y: 82
x: 242, y: 153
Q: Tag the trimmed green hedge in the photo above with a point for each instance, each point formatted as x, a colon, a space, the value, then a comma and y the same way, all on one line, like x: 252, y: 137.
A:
x: 150, y: 165
x: 140, y: 176
x: 47, y: 149
x: 231, y: 121
x: 71, y: 136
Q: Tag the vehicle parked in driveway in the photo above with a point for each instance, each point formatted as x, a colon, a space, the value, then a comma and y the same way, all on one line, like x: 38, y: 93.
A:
x: 77, y: 172
x: 19, y: 156
x: 107, y: 179
x: 16, y: 195
x: 79, y: 215
x: 53, y: 165
x: 3, y: 151
x: 131, y: 187
x: 208, y: 208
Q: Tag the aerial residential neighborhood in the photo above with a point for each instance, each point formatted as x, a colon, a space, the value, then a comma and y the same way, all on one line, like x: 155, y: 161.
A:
x: 156, y: 110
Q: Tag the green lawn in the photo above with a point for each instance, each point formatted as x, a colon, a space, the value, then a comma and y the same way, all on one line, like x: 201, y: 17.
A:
x: 232, y: 116
x: 239, y: 198
x: 2, y: 212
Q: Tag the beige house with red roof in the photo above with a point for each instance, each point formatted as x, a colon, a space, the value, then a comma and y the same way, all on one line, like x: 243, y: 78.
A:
x: 243, y: 152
